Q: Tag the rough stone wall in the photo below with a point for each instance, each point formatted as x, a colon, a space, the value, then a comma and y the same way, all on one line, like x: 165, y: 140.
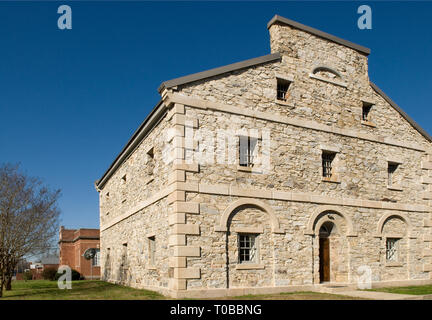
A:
x: 309, y: 98
x: 126, y: 257
x: 125, y: 245
x: 144, y: 176
x: 295, y: 162
x: 193, y: 249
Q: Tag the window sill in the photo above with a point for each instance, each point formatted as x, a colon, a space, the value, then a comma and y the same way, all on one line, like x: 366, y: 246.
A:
x: 332, y: 81
x: 333, y: 179
x: 284, y: 103
x: 368, y: 123
x: 393, y: 264
x: 249, y: 266
x: 395, y: 188
x: 249, y: 169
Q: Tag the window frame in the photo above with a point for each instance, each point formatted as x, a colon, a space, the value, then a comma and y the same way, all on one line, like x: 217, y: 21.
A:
x: 250, y: 152
x: 394, y: 247
x: 96, y: 259
x: 280, y: 84
x: 252, y: 248
x: 391, y: 173
x: 151, y: 250
x: 324, y: 160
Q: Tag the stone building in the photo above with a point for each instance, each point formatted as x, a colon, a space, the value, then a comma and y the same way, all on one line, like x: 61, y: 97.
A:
x: 73, y: 243
x: 282, y: 172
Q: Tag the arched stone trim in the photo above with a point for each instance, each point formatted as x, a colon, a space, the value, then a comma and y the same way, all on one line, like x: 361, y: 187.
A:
x: 327, y: 69
x: 389, y: 215
x: 311, y: 228
x: 274, y: 222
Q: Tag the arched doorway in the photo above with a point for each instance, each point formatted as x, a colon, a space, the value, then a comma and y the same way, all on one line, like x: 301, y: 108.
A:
x: 331, y: 230
x: 324, y: 251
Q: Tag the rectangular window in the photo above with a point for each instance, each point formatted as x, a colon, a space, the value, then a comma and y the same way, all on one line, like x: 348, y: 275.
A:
x: 367, y: 107
x: 150, y: 161
x: 247, y: 148
x: 152, y: 250
x: 392, y: 249
x: 96, y: 259
x: 327, y: 161
x: 391, y: 172
x: 247, y: 248
x: 282, y: 89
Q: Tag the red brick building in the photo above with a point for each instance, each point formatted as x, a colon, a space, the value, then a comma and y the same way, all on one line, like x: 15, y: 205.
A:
x: 73, y: 243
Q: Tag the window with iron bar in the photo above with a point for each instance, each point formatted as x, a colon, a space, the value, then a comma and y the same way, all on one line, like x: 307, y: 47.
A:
x: 327, y: 161
x: 367, y: 107
x: 247, y: 148
x: 392, y: 249
x: 391, y: 171
x: 282, y: 89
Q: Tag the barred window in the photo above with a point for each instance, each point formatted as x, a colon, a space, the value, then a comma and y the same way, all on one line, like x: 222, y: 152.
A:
x: 282, y: 89
x: 367, y: 107
x: 152, y: 250
x: 392, y: 249
x: 391, y: 172
x: 96, y: 259
x: 247, y: 248
x: 247, y: 148
x: 327, y: 161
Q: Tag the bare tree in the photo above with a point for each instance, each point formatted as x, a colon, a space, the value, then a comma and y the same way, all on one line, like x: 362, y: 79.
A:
x: 29, y: 219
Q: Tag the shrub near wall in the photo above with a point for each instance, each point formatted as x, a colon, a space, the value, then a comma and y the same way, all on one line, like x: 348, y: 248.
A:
x: 75, y: 275
x: 49, y: 274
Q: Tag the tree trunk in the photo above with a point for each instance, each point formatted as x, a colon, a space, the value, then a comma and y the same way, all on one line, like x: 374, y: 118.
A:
x: 8, y: 285
x: 1, y: 284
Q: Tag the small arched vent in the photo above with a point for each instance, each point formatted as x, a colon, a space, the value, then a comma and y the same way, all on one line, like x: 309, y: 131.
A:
x: 326, y: 72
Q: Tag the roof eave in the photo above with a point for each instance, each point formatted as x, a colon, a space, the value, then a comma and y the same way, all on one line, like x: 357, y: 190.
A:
x: 220, y: 70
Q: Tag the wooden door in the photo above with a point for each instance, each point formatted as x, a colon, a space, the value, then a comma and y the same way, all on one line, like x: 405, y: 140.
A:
x: 324, y: 254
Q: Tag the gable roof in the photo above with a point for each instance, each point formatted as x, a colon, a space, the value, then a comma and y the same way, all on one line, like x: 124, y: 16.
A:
x: 401, y: 112
x: 218, y: 71
x: 281, y: 20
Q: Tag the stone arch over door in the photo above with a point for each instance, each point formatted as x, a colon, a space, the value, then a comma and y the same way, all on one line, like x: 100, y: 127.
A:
x: 337, y: 243
x: 249, y: 218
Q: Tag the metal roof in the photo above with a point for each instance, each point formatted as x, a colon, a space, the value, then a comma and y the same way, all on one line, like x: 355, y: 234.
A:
x: 221, y: 70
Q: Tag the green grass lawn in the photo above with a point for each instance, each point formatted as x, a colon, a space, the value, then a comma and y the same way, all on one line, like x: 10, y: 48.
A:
x: 81, y: 290
x: 414, y: 290
x: 100, y: 290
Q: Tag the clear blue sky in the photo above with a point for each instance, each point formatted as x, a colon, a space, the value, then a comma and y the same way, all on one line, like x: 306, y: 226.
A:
x: 70, y: 99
